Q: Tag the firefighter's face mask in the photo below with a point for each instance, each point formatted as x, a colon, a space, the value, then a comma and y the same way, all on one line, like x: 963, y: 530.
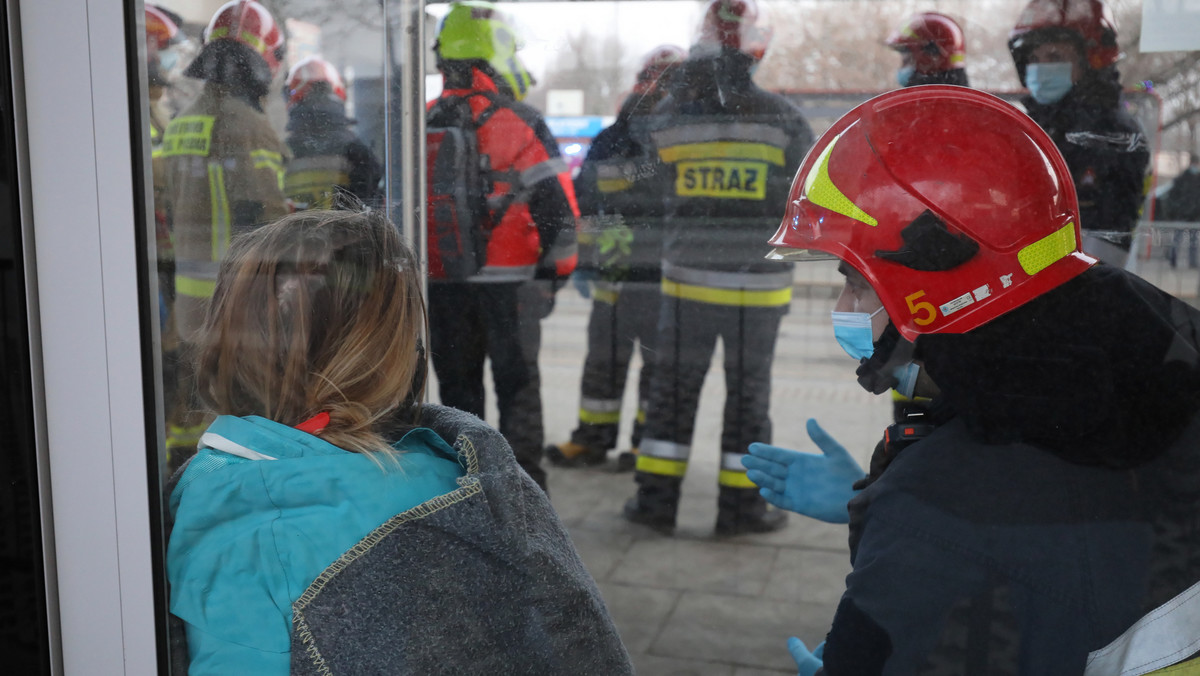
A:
x: 853, y: 332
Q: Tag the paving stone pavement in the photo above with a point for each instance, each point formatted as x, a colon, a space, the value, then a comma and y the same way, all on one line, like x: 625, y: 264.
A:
x: 694, y: 603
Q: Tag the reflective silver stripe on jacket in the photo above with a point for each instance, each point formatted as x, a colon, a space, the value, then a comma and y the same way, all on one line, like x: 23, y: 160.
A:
x: 667, y: 450
x: 606, y: 169
x: 1167, y: 635
x: 722, y: 131
x: 732, y: 462
x: 600, y: 405
x: 496, y: 273
x: 561, y: 251
x: 543, y: 170
x: 220, y: 443
x: 716, y: 279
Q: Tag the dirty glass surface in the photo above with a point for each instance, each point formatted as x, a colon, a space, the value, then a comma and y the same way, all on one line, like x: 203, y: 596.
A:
x: 590, y: 192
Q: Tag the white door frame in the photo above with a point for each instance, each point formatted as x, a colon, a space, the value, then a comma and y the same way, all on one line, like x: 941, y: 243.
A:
x: 83, y: 248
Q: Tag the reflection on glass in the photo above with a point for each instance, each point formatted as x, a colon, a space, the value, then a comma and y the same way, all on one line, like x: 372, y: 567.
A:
x: 660, y: 138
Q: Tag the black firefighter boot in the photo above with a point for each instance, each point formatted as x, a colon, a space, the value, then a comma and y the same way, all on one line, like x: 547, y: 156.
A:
x: 656, y: 502
x: 743, y: 510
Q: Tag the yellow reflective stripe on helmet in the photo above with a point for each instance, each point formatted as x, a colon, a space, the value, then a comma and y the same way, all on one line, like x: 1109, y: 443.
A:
x: 731, y: 150
x: 733, y: 479
x: 661, y: 467
x: 219, y: 202
x: 820, y: 190
x: 1047, y: 250
x: 245, y: 36
x: 737, y: 297
x: 193, y: 287
x: 598, y: 417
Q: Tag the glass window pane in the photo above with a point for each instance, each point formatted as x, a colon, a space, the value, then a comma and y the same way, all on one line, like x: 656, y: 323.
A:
x: 620, y: 277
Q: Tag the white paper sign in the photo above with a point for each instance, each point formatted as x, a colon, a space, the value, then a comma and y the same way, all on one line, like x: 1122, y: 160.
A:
x: 1170, y: 26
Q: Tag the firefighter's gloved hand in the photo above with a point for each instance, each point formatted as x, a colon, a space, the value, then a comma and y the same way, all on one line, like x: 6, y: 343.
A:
x: 807, y: 662
x: 806, y: 483
x: 582, y: 278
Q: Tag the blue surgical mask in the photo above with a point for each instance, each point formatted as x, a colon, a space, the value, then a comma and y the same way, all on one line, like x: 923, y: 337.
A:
x: 904, y: 75
x: 1048, y: 82
x: 853, y: 332
x: 906, y: 377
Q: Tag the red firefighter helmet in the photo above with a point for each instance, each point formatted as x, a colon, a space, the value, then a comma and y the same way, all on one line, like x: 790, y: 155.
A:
x: 656, y: 64
x: 161, y: 31
x: 953, y: 204
x: 934, y: 40
x: 309, y: 71
x: 1089, y: 23
x: 249, y: 23
x: 736, y: 24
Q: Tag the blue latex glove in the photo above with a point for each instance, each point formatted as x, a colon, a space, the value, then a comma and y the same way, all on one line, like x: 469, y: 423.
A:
x: 806, y: 483
x: 808, y: 663
x: 582, y: 279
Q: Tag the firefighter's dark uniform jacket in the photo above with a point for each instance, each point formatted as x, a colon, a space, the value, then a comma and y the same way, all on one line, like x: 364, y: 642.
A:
x: 621, y: 204
x: 326, y: 156
x: 536, y: 233
x: 1106, y: 151
x: 224, y: 172
x: 621, y: 239
x: 1053, y: 508
x: 731, y: 150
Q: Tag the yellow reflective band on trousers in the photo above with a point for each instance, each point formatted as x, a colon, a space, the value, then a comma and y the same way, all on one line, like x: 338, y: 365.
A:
x: 660, y: 466
x: 193, y: 287
x: 723, y: 150
x: 1047, y: 250
x: 820, y: 190
x: 735, y: 297
x: 732, y: 479
x: 219, y: 201
x: 599, y: 417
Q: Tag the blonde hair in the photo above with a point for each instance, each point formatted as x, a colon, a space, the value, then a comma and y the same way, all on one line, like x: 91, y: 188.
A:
x: 320, y: 311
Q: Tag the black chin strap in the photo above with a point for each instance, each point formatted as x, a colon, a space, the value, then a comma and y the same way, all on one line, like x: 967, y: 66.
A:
x: 891, y: 350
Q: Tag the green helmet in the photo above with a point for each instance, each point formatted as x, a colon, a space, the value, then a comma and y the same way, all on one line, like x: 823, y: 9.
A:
x: 476, y: 30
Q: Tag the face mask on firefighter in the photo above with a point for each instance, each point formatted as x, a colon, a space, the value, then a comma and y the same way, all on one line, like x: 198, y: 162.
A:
x: 854, y: 333
x: 1048, y: 82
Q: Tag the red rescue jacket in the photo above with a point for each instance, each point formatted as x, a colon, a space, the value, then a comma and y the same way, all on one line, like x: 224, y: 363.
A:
x: 536, y: 234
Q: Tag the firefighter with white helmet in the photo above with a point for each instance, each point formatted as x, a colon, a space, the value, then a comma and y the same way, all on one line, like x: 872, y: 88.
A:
x: 1053, y: 504
x: 729, y: 150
